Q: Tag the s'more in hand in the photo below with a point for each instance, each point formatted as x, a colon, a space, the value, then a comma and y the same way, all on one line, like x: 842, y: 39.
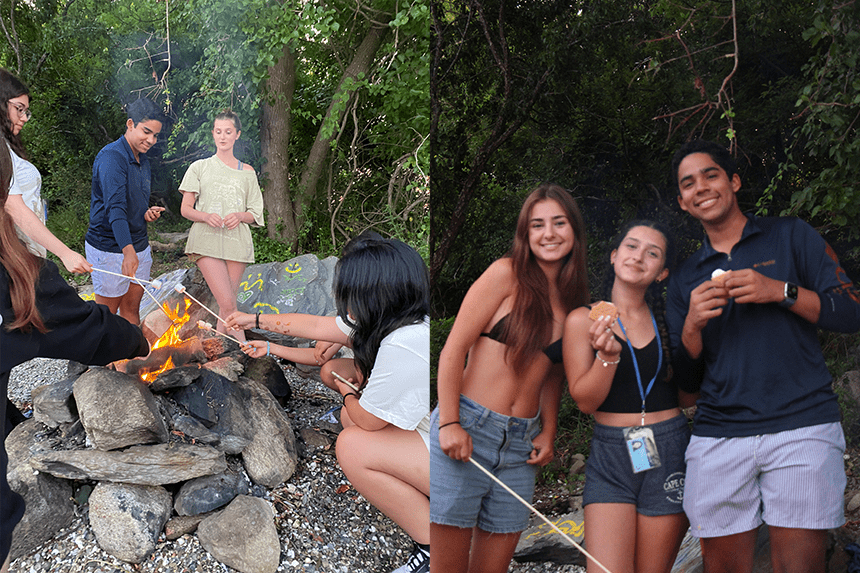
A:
x: 602, y: 309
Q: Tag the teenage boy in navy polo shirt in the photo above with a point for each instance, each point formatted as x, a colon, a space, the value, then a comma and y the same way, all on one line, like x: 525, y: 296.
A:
x: 117, y: 240
x: 767, y: 442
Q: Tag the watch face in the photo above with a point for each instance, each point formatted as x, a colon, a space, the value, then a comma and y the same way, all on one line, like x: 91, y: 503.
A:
x: 791, y: 291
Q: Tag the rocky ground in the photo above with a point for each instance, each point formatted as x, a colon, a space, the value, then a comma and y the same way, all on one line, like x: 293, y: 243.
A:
x: 325, y: 526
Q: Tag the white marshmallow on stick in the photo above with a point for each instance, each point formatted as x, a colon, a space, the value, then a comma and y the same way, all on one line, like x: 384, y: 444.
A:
x: 208, y: 326
x: 181, y: 289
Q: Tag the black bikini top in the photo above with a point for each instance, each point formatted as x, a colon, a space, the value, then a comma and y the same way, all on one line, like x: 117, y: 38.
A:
x: 553, y: 351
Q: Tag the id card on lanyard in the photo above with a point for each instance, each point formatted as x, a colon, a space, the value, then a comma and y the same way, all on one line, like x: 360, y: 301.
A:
x: 641, y: 445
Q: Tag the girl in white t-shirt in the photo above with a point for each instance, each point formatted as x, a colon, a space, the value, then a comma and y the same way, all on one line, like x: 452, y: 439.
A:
x: 382, y: 295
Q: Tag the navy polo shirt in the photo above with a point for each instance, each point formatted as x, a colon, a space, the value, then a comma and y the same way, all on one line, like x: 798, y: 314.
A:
x: 762, y: 370
x: 120, y: 198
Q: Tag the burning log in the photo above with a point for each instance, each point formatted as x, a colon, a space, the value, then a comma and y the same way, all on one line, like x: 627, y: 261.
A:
x: 164, y: 358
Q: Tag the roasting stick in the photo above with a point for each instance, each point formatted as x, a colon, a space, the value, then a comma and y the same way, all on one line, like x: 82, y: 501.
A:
x: 539, y: 514
x: 181, y: 289
x: 156, y: 284
x: 206, y: 326
x: 345, y: 381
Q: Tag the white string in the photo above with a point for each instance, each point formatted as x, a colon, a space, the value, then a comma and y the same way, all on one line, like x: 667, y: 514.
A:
x: 539, y: 514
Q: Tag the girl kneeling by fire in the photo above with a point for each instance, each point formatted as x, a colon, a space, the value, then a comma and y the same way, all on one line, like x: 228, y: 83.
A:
x: 382, y: 296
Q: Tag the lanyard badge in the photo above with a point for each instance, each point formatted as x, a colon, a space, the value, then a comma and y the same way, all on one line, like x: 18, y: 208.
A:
x: 640, y: 441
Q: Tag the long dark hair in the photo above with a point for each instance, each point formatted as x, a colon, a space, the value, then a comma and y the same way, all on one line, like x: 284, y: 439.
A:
x: 11, y: 87
x: 655, y: 295
x: 529, y: 326
x: 21, y: 265
x: 380, y: 286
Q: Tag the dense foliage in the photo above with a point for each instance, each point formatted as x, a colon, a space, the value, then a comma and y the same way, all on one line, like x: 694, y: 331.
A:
x: 597, y: 96
x: 333, y: 99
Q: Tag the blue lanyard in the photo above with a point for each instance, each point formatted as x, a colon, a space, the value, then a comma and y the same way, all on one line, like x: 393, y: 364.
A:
x: 644, y: 393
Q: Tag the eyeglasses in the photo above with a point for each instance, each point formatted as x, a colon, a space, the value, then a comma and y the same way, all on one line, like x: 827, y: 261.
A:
x: 22, y: 111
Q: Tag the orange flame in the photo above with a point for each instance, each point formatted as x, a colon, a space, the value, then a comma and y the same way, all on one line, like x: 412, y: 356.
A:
x: 169, y: 338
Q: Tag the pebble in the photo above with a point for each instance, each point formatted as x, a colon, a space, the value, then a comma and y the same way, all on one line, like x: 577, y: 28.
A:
x: 320, y: 529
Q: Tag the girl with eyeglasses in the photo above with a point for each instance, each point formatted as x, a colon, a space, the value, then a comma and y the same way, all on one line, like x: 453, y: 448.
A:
x: 25, y: 204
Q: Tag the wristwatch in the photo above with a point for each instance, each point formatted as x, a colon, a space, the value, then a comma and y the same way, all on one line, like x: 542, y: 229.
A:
x: 790, y: 294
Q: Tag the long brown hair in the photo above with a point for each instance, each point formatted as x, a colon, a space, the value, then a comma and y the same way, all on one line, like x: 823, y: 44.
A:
x: 21, y: 265
x: 529, y: 327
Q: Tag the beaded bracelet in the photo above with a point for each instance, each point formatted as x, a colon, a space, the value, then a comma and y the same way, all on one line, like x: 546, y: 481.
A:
x: 268, y: 348
x: 349, y: 394
x: 606, y: 362
x: 449, y: 423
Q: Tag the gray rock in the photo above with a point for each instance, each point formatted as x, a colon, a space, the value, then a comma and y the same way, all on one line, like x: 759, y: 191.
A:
x: 540, y: 542
x: 53, y: 404
x: 208, y: 493
x: 117, y: 410
x: 176, y: 527
x: 271, y: 457
x: 314, y: 438
x: 226, y: 366
x: 143, y: 465
x: 243, y: 536
x: 267, y: 371
x: 49, y: 506
x: 127, y: 519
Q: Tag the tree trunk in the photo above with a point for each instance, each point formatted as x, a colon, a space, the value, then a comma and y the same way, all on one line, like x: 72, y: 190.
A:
x: 313, y: 168
x: 281, y: 220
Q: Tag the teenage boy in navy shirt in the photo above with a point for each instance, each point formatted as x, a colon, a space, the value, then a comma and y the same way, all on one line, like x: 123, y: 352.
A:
x: 767, y: 442
x: 117, y: 240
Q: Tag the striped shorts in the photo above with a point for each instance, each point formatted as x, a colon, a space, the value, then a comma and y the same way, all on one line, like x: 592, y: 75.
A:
x: 793, y: 479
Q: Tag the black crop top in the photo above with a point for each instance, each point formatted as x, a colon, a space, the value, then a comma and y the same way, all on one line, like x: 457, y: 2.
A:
x: 553, y: 351
x: 624, y: 395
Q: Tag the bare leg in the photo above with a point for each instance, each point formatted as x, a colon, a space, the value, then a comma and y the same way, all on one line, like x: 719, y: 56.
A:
x: 5, y: 568
x: 729, y: 554
x: 129, y: 304
x: 223, y: 277
x: 492, y: 552
x: 658, y: 539
x: 391, y: 469
x: 449, y: 548
x: 797, y: 550
x: 610, y: 535
x: 112, y: 302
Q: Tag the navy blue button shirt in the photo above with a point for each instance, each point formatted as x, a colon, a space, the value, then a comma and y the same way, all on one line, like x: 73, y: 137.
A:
x: 120, y: 198
x: 762, y: 370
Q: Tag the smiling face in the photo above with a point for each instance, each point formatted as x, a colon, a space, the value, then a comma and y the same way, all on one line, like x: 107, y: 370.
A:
x: 705, y: 190
x: 225, y: 134
x: 18, y: 109
x: 551, y: 235
x: 641, y: 257
x: 143, y: 136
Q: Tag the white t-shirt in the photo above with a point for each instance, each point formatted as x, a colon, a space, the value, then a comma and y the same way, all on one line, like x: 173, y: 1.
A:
x: 27, y: 182
x: 398, y: 389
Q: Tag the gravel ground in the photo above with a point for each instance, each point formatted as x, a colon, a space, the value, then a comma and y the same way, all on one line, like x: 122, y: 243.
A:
x: 325, y: 526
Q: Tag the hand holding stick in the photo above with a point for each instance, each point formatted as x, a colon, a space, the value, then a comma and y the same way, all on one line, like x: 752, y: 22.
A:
x: 345, y: 381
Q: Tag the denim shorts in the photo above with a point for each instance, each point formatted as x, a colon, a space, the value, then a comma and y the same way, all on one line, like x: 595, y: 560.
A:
x: 609, y: 476
x: 461, y: 495
x: 793, y: 479
x: 112, y: 286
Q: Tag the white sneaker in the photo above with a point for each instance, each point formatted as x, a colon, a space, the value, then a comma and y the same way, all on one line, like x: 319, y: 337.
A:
x: 419, y: 562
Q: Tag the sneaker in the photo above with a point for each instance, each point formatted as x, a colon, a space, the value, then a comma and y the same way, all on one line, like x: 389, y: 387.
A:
x: 419, y: 562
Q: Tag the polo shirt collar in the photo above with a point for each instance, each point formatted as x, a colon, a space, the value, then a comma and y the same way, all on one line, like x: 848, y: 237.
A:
x: 751, y: 228
x: 128, y: 150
